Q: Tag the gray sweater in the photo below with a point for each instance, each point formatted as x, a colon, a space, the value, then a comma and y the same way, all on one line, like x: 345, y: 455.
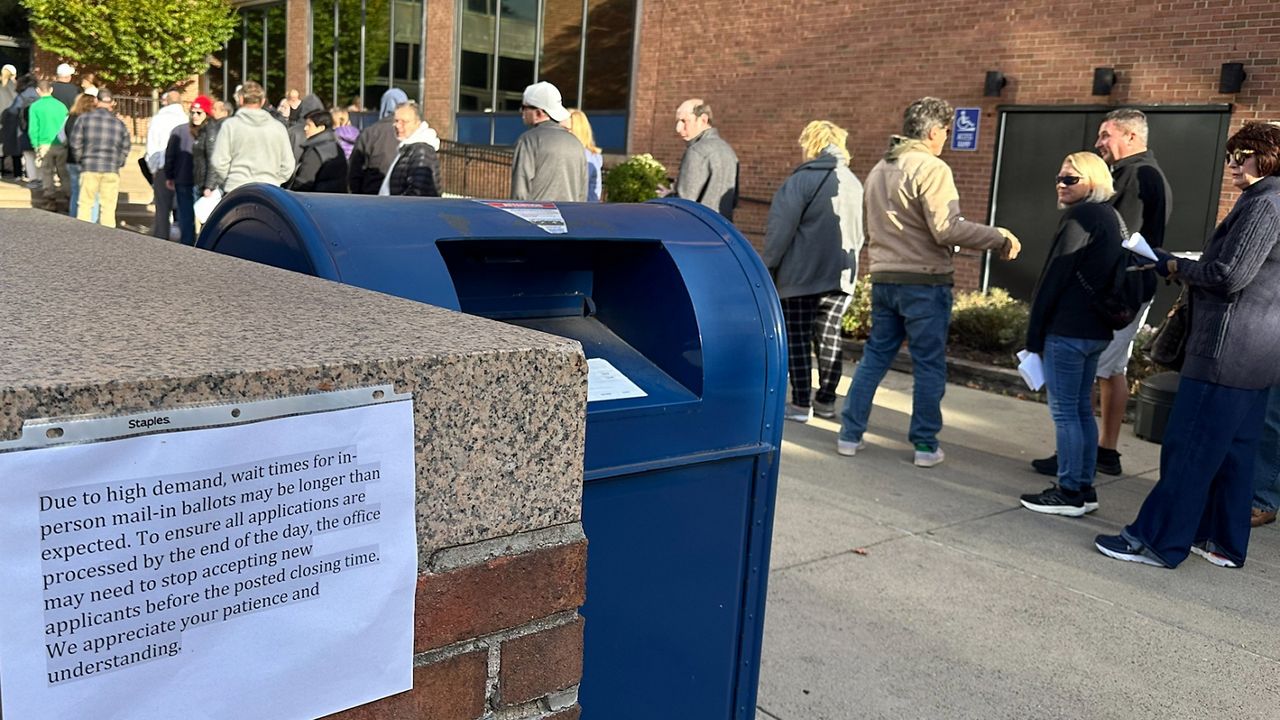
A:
x: 709, y: 173
x: 549, y: 165
x: 1235, y: 289
x: 814, y: 233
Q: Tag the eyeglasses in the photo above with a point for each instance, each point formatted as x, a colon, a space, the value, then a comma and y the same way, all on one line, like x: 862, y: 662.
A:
x: 1238, y: 157
x: 1068, y: 180
x: 197, y: 112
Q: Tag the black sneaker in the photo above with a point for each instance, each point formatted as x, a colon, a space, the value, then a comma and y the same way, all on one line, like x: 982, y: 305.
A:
x: 1090, y: 499
x: 1056, y: 501
x: 1047, y: 466
x: 1109, y: 461
x: 1116, y: 546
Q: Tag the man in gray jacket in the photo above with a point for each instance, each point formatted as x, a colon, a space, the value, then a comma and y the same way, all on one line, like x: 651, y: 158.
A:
x: 709, y: 167
x: 252, y: 145
x: 549, y: 162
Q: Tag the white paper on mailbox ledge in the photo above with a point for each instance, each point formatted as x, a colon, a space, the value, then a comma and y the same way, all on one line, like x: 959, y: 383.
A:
x: 351, y: 645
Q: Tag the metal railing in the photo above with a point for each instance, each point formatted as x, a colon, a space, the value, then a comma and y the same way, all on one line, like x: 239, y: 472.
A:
x: 479, y: 171
x: 136, y: 113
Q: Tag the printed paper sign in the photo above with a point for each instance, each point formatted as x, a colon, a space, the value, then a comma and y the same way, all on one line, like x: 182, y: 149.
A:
x: 545, y: 215
x: 260, y: 570
x: 606, y: 382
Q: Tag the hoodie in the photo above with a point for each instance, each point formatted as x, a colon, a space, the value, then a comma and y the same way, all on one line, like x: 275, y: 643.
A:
x: 252, y: 146
x: 391, y: 99
x: 158, y: 132
x: 416, y: 169
x: 913, y: 218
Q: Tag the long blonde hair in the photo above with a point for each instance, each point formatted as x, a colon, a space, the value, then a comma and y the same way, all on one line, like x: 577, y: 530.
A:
x: 580, y: 126
x: 1095, y: 171
x: 818, y: 134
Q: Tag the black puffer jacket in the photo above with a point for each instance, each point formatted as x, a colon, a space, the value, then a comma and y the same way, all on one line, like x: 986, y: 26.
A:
x: 323, y: 167
x: 415, y: 172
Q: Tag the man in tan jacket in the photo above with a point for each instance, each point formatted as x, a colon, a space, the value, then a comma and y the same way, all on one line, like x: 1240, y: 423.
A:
x: 913, y: 223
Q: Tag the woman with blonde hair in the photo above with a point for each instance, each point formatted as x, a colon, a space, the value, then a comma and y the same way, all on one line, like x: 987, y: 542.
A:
x: 580, y: 126
x: 811, y: 246
x: 1068, y: 332
x: 344, y: 131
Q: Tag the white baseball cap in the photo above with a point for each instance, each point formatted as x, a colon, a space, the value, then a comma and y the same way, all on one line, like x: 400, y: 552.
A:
x: 544, y: 96
x: 64, y: 69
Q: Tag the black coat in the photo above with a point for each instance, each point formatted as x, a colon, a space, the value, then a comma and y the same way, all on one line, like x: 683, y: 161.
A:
x: 1143, y: 198
x: 1088, y: 240
x: 415, y: 173
x: 376, y: 147
x: 323, y: 167
x: 201, y: 151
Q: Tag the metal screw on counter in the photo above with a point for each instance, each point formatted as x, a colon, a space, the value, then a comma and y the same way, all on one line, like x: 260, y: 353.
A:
x: 683, y: 333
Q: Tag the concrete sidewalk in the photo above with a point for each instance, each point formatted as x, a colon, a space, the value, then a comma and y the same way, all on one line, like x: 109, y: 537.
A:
x: 134, y: 211
x: 966, y: 605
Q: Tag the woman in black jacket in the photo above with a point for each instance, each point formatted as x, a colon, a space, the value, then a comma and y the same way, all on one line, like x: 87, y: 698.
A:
x: 323, y: 166
x: 1203, y: 501
x: 1066, y: 330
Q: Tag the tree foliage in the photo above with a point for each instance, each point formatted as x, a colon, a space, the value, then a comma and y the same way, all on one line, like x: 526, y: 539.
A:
x: 155, y: 43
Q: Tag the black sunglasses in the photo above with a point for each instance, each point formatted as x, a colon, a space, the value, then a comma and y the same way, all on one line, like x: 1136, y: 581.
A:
x: 1068, y: 180
x: 1238, y: 157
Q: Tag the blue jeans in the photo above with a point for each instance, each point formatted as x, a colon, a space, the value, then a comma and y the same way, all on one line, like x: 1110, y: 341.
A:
x: 1206, y: 473
x: 922, y: 315
x: 185, y: 200
x: 1266, y: 469
x: 1069, y: 366
x: 73, y: 169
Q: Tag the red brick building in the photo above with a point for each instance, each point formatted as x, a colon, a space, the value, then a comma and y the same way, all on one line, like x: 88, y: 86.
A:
x: 769, y: 68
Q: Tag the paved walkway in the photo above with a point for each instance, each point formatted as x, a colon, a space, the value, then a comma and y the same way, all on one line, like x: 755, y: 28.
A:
x: 966, y: 605
x: 134, y: 211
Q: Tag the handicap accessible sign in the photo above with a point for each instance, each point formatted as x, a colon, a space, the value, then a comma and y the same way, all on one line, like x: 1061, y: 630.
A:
x: 964, y: 129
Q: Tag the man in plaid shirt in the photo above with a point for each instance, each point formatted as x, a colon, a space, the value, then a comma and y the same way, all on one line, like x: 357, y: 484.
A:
x: 101, y: 142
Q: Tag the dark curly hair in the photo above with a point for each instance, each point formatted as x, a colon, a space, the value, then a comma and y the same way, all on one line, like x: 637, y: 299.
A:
x: 1264, y: 140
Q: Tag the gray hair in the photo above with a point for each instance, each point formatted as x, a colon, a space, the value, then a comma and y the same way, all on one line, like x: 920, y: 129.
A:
x: 417, y: 111
x: 924, y: 115
x: 1130, y: 120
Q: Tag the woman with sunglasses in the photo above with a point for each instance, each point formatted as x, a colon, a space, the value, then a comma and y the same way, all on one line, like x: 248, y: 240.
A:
x: 1203, y: 500
x: 1068, y: 333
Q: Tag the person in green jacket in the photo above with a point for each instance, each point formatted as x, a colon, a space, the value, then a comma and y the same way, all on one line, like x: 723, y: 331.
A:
x: 46, y: 117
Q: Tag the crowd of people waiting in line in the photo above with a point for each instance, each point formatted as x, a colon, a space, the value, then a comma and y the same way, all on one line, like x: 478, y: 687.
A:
x: 199, y: 151
x: 1220, y: 458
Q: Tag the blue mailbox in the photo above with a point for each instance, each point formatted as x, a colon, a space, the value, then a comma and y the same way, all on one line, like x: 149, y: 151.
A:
x: 683, y: 332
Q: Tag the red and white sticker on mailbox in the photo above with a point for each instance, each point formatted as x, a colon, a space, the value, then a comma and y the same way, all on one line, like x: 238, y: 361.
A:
x: 543, y: 214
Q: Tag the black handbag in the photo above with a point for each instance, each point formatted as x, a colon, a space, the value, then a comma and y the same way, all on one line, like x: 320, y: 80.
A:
x: 1168, y: 347
x: 146, y: 170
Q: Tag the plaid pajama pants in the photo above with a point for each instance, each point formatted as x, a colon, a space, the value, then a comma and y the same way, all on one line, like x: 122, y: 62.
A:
x: 813, y: 328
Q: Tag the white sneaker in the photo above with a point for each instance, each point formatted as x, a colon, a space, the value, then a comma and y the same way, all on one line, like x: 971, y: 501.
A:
x: 926, y: 459
x: 849, y: 448
x: 1214, y: 557
x: 795, y: 413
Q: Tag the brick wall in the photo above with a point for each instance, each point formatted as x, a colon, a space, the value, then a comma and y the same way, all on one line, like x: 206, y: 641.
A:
x: 496, y: 632
x: 297, y: 45
x: 440, y: 66
x: 768, y: 68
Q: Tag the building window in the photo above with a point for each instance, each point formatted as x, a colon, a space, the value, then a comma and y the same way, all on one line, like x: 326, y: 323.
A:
x: 362, y: 48
x: 255, y: 52
x: 583, y: 47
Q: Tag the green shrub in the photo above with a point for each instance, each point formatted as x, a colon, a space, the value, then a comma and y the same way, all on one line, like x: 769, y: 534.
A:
x: 856, y: 322
x: 635, y: 180
x: 989, y: 322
